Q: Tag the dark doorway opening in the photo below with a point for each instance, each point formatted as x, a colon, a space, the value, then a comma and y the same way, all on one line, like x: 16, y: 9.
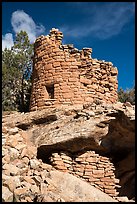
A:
x: 50, y: 90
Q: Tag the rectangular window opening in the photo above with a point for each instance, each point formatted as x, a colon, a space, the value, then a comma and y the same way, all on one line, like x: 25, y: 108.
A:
x: 50, y: 90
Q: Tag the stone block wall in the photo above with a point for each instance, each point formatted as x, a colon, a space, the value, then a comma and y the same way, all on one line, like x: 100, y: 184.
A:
x: 64, y: 75
x: 95, y: 169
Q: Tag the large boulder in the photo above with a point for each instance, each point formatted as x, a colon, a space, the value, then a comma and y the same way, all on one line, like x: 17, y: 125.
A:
x: 73, y: 189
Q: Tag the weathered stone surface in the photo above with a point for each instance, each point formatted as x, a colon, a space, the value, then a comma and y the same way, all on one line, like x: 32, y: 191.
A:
x: 72, y: 189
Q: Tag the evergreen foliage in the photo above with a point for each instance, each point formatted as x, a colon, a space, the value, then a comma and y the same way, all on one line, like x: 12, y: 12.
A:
x: 127, y: 95
x: 16, y: 74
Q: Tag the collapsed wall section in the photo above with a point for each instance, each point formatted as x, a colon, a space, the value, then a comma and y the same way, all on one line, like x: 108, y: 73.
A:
x: 93, y: 168
x: 64, y: 75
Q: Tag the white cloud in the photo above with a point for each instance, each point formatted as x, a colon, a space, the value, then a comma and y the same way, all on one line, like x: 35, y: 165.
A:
x: 102, y: 20
x: 7, y: 41
x: 22, y: 21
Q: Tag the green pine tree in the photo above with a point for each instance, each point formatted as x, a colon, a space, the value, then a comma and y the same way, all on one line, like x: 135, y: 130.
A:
x: 10, y: 82
x: 24, y: 52
x: 16, y: 72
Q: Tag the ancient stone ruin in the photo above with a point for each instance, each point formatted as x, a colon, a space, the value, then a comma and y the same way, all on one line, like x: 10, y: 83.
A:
x: 95, y: 169
x: 78, y: 133
x: 64, y: 75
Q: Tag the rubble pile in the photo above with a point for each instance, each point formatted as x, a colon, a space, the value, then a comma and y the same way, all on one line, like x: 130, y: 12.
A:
x: 27, y: 177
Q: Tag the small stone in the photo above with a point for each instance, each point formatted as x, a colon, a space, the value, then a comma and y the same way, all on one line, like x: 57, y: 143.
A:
x: 14, y: 153
x: 3, y: 139
x: 25, y: 160
x: 34, y: 189
x: 4, y: 151
x: 61, y: 200
x: 30, y: 152
x: 46, y: 166
x: 90, y: 113
x: 13, y: 131
x: 12, y: 182
x: 12, y: 169
x: 4, y: 129
x: 37, y: 180
x: 7, y: 195
x: 12, y: 142
x: 28, y: 179
x: 44, y: 174
x: 20, y: 191
x: 43, y: 188
x: 34, y: 164
x: 20, y: 146
x: 28, y: 199
x: 5, y: 177
x: 26, y: 185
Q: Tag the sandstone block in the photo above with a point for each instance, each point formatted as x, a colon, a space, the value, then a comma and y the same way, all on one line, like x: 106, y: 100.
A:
x: 107, y: 179
x: 91, y: 159
x: 109, y: 187
x: 109, y: 173
x: 48, y: 67
x: 116, y: 180
x: 60, y: 167
x: 56, y: 64
x: 98, y: 171
x: 110, y: 191
x: 65, y: 157
x: 88, y: 173
x: 91, y: 179
x: 79, y: 173
x: 65, y: 63
x: 67, y: 161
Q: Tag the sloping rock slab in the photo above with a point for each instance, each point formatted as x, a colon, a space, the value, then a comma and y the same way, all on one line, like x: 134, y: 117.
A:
x: 73, y: 189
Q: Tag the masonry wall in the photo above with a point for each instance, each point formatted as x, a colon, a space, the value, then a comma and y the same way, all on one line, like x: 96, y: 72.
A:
x: 95, y: 169
x: 64, y: 75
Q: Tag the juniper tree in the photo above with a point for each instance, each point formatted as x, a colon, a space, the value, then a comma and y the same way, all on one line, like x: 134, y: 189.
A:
x: 17, y: 62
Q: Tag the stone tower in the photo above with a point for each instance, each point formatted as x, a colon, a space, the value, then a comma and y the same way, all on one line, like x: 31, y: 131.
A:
x: 64, y: 75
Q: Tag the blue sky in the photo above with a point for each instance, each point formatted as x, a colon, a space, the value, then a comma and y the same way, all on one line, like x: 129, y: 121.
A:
x: 107, y: 27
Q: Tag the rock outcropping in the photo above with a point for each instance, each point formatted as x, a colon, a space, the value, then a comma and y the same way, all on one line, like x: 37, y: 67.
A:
x: 31, y: 143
